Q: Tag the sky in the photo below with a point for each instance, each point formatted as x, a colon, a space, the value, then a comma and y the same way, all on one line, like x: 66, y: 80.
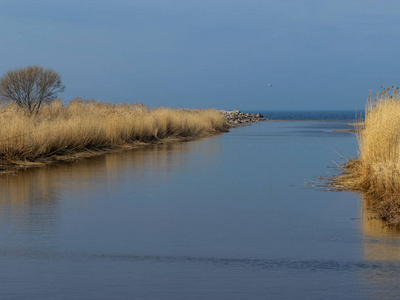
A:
x: 320, y: 55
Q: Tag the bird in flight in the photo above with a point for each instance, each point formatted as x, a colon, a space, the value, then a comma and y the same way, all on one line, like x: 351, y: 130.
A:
x: 270, y: 84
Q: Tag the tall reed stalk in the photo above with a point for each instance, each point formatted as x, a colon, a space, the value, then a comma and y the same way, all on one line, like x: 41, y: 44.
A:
x: 377, y: 170
x: 83, y: 125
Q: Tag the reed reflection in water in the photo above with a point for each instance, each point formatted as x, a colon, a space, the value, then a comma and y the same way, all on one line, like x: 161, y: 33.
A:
x: 382, y: 249
x: 32, y: 200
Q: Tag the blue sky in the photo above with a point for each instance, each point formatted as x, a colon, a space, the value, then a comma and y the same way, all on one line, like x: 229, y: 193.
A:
x: 209, y: 53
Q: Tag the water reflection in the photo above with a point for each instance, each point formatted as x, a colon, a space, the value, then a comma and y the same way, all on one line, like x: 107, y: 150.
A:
x: 381, y: 247
x: 42, y: 186
x: 32, y: 201
x: 227, y: 214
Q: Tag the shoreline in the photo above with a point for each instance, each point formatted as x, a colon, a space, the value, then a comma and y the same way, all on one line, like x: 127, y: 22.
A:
x: 376, y: 171
x: 73, y: 156
x: 85, y: 128
x: 232, y: 119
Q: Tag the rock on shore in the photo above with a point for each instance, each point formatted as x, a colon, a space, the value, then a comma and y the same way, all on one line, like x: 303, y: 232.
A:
x: 236, y: 117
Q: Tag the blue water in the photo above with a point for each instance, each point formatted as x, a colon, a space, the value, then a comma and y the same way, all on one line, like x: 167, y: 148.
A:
x: 227, y: 217
x: 347, y: 115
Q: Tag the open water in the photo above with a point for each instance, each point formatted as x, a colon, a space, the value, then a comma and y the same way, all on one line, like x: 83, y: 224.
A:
x: 227, y: 217
x: 343, y: 115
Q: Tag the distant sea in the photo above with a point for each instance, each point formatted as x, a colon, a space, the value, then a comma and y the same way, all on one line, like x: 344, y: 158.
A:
x: 350, y: 115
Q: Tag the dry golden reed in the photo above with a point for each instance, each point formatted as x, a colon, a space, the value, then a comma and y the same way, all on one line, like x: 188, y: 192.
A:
x: 81, y: 125
x: 377, y: 170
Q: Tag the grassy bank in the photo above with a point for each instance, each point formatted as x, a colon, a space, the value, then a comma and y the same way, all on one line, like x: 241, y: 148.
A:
x: 82, y: 126
x: 377, y: 170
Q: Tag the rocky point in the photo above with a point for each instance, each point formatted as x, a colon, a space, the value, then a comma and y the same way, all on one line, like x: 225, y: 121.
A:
x: 236, y: 117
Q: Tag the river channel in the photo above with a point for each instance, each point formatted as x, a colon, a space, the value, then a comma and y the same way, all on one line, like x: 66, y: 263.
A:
x: 227, y: 217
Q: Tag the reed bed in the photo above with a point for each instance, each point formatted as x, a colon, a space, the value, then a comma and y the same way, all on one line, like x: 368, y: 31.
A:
x: 377, y: 170
x: 62, y: 130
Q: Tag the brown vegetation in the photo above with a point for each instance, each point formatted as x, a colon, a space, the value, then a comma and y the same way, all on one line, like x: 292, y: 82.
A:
x: 377, y: 170
x: 59, y: 130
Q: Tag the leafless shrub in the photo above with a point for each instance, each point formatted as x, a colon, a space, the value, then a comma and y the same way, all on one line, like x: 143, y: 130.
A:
x: 30, y: 87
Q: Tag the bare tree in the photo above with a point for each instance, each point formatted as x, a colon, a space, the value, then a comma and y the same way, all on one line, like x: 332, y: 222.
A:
x: 30, y: 87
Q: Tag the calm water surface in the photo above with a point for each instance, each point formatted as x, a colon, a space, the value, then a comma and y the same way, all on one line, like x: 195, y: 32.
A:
x: 229, y: 217
x: 347, y: 115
